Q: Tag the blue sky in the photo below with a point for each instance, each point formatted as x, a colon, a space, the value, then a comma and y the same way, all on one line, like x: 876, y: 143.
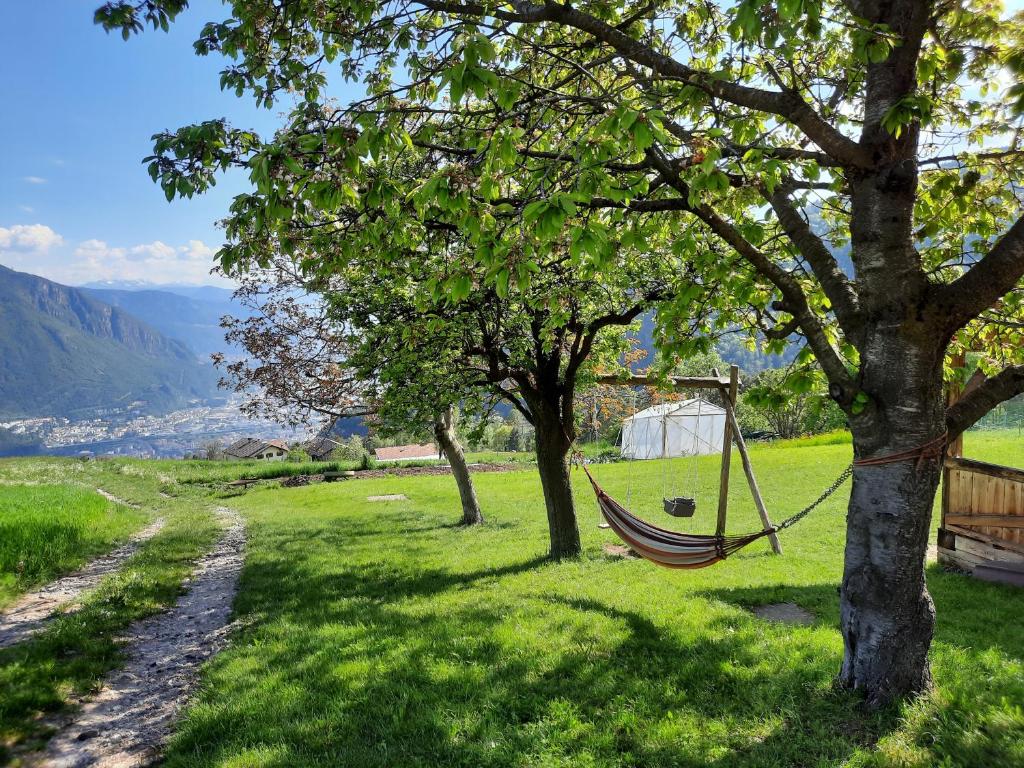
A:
x: 80, y: 105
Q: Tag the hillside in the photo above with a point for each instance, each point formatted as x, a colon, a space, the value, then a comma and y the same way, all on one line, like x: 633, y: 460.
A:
x: 66, y: 354
x: 194, y: 320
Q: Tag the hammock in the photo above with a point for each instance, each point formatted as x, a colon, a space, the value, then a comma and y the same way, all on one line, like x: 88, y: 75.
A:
x: 670, y: 549
x: 673, y: 549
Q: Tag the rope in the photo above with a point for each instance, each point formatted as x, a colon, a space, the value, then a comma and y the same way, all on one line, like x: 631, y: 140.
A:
x: 932, y: 450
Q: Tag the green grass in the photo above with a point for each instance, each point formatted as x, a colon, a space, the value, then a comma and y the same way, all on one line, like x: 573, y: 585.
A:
x: 380, y: 634
x: 225, y: 471
x: 48, y: 530
x: 500, y: 457
x: 71, y: 657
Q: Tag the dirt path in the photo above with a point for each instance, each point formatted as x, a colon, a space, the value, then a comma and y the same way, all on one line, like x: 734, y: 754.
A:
x: 30, y: 613
x: 111, y: 497
x: 132, y: 715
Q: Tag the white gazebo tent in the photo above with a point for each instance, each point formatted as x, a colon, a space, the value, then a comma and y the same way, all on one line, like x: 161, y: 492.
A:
x: 684, y: 428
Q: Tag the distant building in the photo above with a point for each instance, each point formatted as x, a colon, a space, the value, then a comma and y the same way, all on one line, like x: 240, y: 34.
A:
x: 263, y: 450
x: 321, y: 448
x: 407, y: 453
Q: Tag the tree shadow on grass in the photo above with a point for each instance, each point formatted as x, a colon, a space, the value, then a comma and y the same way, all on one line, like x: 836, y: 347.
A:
x: 341, y: 530
x: 297, y: 585
x: 974, y: 716
x: 353, y: 670
x: 969, y: 613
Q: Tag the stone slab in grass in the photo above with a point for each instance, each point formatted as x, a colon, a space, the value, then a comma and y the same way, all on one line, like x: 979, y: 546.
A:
x: 783, y: 613
x: 389, y: 497
x: 620, y: 551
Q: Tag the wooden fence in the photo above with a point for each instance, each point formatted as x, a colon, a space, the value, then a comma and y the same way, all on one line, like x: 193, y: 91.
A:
x: 982, y: 514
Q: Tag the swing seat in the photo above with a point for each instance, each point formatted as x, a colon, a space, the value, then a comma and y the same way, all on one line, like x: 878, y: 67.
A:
x: 680, y: 506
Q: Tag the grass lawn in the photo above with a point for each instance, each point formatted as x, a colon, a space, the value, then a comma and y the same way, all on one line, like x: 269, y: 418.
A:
x: 380, y: 634
x: 48, y: 530
x: 70, y: 658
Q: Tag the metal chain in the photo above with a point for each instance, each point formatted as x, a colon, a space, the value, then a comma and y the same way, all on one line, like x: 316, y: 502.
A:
x: 806, y: 510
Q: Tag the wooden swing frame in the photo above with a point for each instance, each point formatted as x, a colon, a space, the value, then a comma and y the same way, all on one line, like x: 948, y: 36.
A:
x: 728, y: 386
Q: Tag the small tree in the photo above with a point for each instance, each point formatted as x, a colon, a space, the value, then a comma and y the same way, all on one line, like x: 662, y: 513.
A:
x: 302, y: 363
x: 529, y: 340
x: 212, y: 450
x: 350, y: 450
x: 298, y: 455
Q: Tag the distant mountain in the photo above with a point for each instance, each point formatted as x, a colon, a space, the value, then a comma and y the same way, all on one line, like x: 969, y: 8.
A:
x: 194, y: 321
x: 731, y: 349
x: 210, y: 293
x: 67, y: 354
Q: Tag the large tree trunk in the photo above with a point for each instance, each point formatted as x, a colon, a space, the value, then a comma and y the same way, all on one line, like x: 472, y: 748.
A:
x: 444, y: 432
x: 886, y: 613
x: 553, y: 465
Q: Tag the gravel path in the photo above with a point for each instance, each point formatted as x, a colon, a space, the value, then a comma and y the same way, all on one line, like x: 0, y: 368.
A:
x: 125, y: 724
x: 32, y: 611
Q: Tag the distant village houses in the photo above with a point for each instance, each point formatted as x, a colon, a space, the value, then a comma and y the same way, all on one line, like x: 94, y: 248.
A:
x: 262, y: 450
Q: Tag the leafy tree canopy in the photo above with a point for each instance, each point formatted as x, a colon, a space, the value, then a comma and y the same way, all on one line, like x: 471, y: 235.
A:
x: 537, y: 125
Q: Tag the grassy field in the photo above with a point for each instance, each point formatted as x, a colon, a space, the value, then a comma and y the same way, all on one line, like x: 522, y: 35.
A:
x: 380, y: 634
x: 47, y: 530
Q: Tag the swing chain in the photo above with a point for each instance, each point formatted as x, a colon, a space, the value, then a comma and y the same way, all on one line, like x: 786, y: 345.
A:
x: 806, y: 510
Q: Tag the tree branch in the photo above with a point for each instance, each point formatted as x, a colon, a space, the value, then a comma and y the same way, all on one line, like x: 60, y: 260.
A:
x: 983, y: 398
x: 991, y: 278
x: 786, y: 104
x: 835, y: 284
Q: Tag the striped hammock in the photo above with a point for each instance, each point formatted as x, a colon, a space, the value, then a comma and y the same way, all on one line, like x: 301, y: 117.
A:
x: 670, y: 549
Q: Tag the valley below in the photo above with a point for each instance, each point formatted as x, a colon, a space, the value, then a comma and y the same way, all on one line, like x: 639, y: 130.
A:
x: 129, y: 432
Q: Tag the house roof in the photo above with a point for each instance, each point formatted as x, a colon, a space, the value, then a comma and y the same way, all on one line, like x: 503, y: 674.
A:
x: 248, y: 447
x: 401, y: 452
x: 696, y: 406
x: 321, y: 446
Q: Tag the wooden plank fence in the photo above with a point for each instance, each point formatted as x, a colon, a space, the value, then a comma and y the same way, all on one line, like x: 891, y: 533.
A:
x: 982, y: 514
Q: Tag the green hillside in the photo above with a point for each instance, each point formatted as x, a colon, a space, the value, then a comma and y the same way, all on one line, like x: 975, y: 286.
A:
x: 65, y: 353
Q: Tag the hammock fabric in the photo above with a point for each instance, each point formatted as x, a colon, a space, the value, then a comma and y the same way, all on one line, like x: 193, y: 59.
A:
x: 670, y: 549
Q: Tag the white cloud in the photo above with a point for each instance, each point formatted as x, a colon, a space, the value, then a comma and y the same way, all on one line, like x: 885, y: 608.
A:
x: 198, y: 250
x: 29, y: 238
x: 34, y: 179
x: 155, y: 262
x: 38, y: 249
x: 26, y: 208
x: 155, y: 251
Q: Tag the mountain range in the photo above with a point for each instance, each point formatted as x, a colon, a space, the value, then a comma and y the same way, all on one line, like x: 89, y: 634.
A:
x: 189, y: 314
x: 66, y: 352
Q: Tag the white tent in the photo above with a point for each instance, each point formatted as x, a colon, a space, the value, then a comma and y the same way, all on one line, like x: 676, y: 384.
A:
x: 684, y: 428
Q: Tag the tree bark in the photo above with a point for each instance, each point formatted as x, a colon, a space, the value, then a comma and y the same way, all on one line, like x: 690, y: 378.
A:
x: 886, y: 614
x: 444, y: 432
x: 553, y: 465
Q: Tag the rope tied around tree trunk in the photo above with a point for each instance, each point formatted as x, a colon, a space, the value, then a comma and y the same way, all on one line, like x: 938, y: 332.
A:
x: 930, y: 451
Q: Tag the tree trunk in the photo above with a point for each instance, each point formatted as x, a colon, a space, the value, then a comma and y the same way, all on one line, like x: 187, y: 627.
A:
x: 444, y: 432
x: 886, y: 614
x: 553, y: 466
